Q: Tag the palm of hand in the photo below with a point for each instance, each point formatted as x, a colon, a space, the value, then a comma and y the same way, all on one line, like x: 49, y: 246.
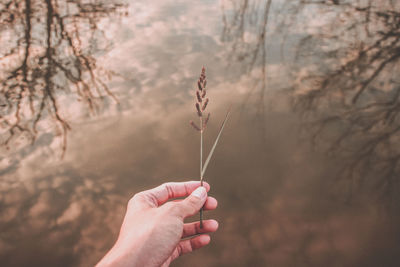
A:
x: 154, y: 233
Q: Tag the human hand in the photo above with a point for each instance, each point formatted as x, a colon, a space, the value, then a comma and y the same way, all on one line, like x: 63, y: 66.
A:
x: 152, y: 231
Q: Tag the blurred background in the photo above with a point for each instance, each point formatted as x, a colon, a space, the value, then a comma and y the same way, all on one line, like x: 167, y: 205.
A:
x: 96, y: 98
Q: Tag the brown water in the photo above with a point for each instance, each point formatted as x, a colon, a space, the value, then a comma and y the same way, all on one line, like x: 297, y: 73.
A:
x: 280, y: 203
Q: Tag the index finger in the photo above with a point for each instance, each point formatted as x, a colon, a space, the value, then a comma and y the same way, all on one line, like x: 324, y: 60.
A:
x: 166, y: 191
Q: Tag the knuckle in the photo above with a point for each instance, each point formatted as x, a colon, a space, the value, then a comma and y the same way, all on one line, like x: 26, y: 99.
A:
x: 135, y: 199
x: 168, y: 188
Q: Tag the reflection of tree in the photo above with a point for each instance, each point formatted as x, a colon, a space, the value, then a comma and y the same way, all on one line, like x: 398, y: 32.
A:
x: 345, y: 80
x: 356, y: 99
x: 46, y: 54
x: 247, y: 27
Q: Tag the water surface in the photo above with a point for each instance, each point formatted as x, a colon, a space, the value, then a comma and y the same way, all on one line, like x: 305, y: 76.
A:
x: 279, y: 203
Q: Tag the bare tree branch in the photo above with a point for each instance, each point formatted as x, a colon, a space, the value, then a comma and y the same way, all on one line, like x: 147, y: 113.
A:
x: 51, y: 54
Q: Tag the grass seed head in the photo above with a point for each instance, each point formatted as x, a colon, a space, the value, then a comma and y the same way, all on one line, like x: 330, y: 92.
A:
x: 198, y: 110
x: 195, y: 126
x: 205, y: 121
x: 199, y: 98
x: 204, y: 93
x: 199, y: 84
x: 205, y: 104
x: 201, y: 101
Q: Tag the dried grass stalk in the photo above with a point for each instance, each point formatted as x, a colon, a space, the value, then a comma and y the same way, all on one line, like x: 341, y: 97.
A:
x: 200, y: 95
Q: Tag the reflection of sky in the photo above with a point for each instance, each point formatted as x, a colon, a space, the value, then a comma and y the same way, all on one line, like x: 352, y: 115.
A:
x: 274, y: 207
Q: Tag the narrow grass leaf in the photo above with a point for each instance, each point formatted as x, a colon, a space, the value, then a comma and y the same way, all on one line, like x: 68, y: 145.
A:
x: 215, y: 143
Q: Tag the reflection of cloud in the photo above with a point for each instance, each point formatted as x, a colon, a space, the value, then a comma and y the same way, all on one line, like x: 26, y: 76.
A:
x: 273, y: 206
x: 70, y: 214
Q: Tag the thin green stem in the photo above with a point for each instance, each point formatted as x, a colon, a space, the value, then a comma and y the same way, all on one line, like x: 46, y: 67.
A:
x: 201, y: 151
x: 201, y: 165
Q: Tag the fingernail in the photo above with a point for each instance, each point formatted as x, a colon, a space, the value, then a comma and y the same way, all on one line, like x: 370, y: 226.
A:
x: 200, y: 192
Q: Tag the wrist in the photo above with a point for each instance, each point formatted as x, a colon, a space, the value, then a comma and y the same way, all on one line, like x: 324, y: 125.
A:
x: 120, y: 256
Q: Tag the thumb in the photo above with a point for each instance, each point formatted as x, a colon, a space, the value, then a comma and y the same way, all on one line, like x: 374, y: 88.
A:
x: 193, y: 203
